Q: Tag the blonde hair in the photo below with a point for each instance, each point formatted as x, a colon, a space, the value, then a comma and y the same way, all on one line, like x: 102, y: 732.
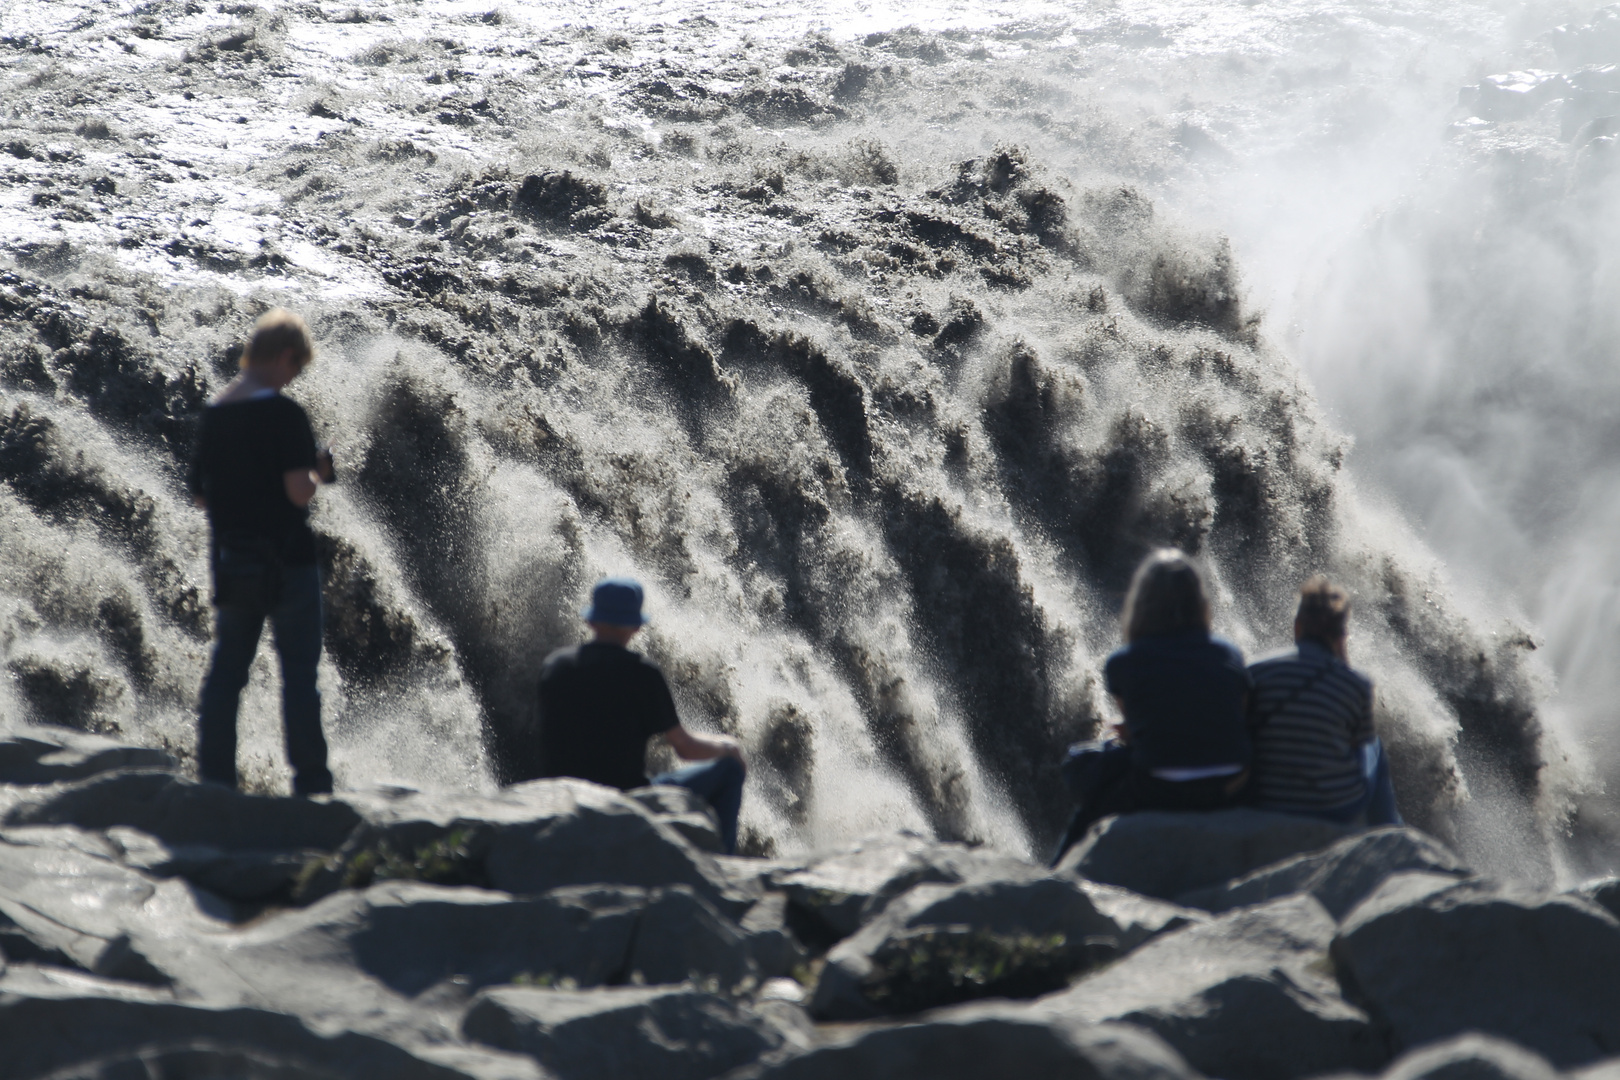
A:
x: 277, y: 331
x: 1167, y: 596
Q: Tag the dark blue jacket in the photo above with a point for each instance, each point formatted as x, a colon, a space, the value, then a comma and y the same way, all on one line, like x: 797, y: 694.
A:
x: 1183, y: 696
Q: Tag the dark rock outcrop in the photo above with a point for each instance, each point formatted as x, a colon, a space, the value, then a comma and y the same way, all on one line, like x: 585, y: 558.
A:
x: 110, y: 1031
x: 1169, y: 855
x: 833, y: 896
x: 179, y: 811
x: 48, y: 755
x: 1471, y: 1057
x: 67, y: 900
x: 1339, y: 877
x: 246, y: 877
x: 1249, y: 994
x: 561, y: 928
x: 1432, y: 957
x: 687, y: 812
x: 972, y: 1042
x: 674, y: 1033
x: 528, y: 838
x: 1605, y: 891
x: 943, y: 944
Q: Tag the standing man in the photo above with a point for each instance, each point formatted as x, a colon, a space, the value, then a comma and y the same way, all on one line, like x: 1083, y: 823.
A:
x: 255, y: 473
x: 1315, y: 749
x: 600, y: 702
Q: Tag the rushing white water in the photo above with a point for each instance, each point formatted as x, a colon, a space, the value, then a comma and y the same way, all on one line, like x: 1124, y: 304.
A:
x: 895, y: 428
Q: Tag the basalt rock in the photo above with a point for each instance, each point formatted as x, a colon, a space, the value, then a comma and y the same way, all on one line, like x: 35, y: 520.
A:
x: 687, y: 812
x: 179, y: 811
x: 528, y: 838
x: 679, y: 935
x: 775, y: 950
x: 833, y: 896
x: 1432, y: 957
x: 674, y: 1033
x: 400, y: 954
x: 243, y: 876
x: 971, y: 1042
x: 66, y: 900
x: 1471, y: 1057
x: 1167, y: 855
x: 1248, y: 994
x: 90, y: 1028
x: 1339, y: 877
x: 942, y: 944
x: 48, y: 755
x: 1605, y: 891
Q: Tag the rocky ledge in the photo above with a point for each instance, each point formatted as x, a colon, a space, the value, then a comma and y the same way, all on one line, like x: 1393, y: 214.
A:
x: 152, y: 926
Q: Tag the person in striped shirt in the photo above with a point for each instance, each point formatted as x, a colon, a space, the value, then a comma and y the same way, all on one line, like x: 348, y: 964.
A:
x: 1316, y: 751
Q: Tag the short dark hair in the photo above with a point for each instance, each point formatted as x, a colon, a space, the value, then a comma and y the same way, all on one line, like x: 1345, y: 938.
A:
x: 277, y: 331
x: 1324, y: 611
x: 1167, y: 595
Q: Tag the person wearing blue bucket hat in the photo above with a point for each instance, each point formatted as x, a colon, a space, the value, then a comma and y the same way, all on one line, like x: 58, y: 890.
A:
x: 600, y: 703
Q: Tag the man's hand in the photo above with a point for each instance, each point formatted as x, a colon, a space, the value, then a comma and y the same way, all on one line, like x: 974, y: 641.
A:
x: 323, y: 465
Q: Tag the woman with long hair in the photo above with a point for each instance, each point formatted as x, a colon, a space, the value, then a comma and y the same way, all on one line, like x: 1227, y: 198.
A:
x: 1183, y: 743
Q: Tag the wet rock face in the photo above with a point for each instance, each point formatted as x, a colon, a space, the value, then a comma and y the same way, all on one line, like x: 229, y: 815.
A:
x: 883, y: 408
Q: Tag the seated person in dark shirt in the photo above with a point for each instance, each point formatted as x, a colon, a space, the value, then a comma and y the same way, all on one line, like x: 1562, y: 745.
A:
x: 1184, y: 742
x: 600, y: 702
x: 1316, y: 751
x: 255, y: 472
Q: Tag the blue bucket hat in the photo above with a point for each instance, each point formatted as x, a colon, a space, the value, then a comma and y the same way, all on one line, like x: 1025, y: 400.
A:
x: 617, y: 602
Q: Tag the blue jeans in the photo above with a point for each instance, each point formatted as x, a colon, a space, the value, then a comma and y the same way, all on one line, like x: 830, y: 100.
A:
x: 295, y: 622
x: 720, y: 781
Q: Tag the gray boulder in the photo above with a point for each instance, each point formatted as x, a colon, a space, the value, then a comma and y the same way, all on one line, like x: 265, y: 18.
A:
x: 943, y: 944
x: 47, y: 755
x: 1168, y: 855
x: 401, y: 958
x: 242, y: 876
x: 526, y: 839
x: 1248, y: 994
x: 180, y: 812
x: 67, y: 900
x: 687, y: 812
x: 1603, y: 1070
x: 679, y: 935
x: 833, y: 895
x: 1432, y: 957
x: 775, y: 950
x: 1339, y: 877
x: 674, y: 1033
x: 973, y: 1042
x: 1604, y: 892
x: 1471, y: 1057
x: 84, y: 1027
x: 1137, y: 918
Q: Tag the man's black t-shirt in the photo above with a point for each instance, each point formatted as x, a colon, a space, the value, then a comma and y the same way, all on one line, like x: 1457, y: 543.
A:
x: 599, y: 703
x: 242, y: 453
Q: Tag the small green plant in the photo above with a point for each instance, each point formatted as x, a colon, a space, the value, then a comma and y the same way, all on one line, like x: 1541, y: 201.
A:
x: 942, y: 965
x: 449, y: 860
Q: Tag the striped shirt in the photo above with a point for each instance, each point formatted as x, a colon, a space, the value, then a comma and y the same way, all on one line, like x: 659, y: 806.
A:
x: 1311, y: 715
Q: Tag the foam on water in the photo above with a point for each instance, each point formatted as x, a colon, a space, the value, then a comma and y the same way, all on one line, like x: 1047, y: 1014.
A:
x: 883, y: 414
